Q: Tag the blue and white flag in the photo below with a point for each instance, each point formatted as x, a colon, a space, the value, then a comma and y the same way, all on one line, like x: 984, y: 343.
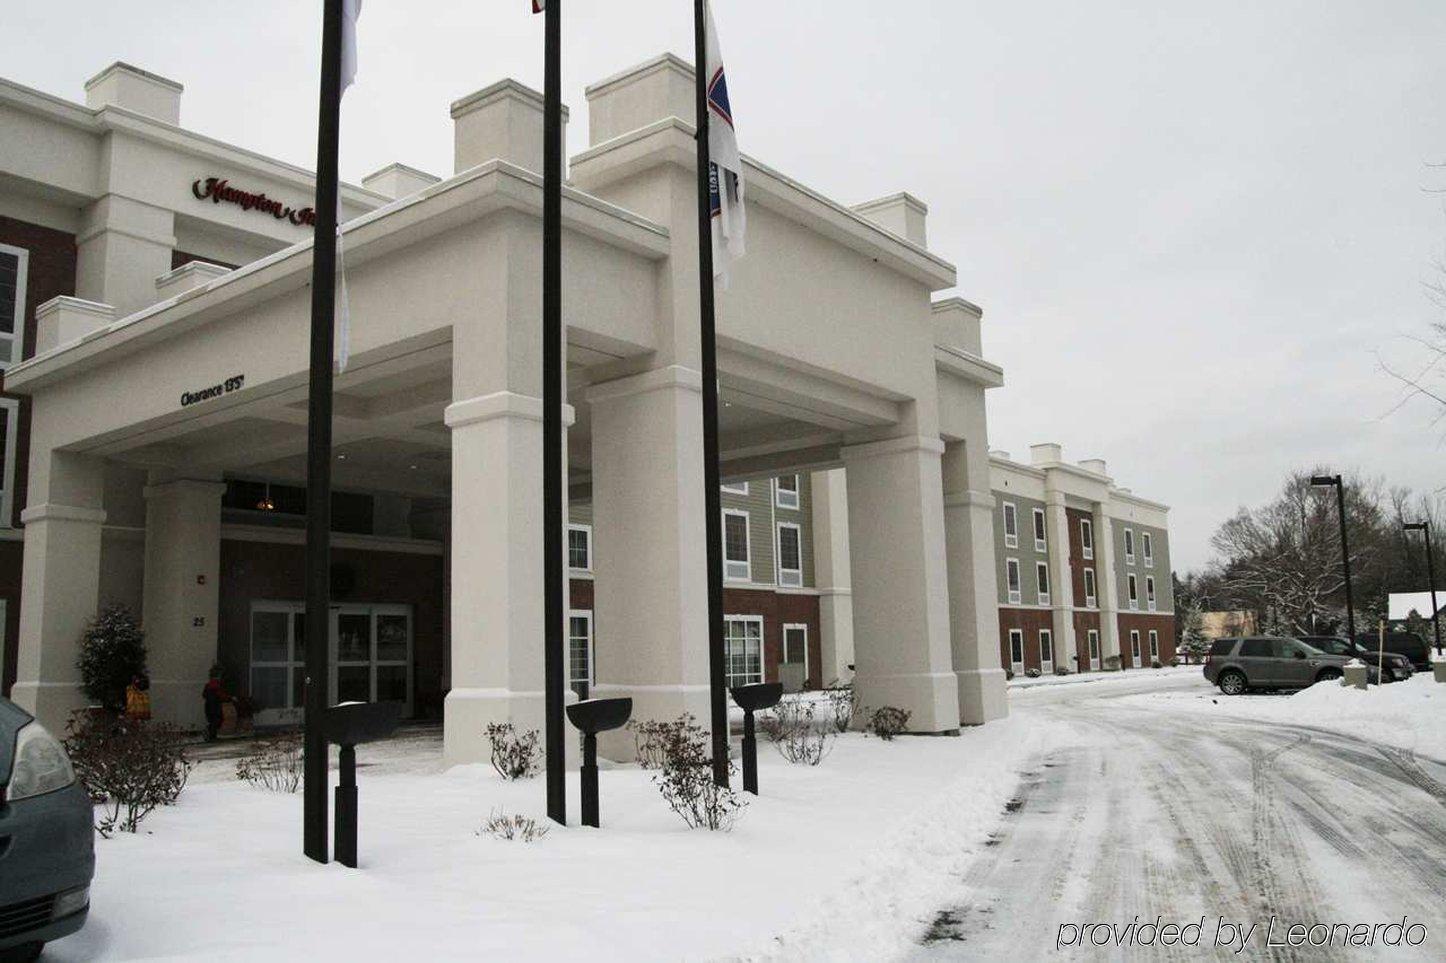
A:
x: 350, y: 11
x: 725, y: 174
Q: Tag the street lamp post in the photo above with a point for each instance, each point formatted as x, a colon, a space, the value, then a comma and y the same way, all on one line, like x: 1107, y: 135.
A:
x: 1321, y: 481
x: 1425, y: 529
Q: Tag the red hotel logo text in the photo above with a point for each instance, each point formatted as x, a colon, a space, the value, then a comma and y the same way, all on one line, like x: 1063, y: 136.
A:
x: 219, y: 189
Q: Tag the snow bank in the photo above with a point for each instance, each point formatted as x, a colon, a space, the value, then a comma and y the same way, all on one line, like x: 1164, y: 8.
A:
x: 847, y: 860
x: 1102, y: 678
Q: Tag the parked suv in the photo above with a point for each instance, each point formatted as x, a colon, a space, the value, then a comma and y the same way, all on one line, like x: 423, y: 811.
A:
x: 1409, y: 644
x: 1269, y: 662
x: 47, y: 847
x: 1395, y: 667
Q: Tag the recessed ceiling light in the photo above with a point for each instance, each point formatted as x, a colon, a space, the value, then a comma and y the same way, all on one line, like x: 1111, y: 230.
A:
x: 341, y: 457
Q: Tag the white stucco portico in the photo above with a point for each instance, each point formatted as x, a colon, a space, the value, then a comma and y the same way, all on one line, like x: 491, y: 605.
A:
x: 832, y: 354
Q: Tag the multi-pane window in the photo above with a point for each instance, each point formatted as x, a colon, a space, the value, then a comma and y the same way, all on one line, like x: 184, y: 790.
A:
x: 1154, y: 645
x: 14, y: 264
x: 1150, y: 592
x: 1040, y: 543
x: 1094, y: 643
x: 735, y: 546
x: 1147, y: 546
x: 1041, y: 574
x: 1046, y: 649
x: 790, y: 555
x: 1011, y: 580
x: 579, y: 653
x: 579, y: 547
x: 1134, y: 646
x: 786, y: 491
x: 1129, y: 546
x: 1134, y: 590
x: 743, y: 650
x: 1016, y: 648
x: 1087, y: 537
x: 1011, y: 525
x: 1089, y: 587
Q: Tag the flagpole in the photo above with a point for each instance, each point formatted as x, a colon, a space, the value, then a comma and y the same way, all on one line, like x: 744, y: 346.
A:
x: 712, y: 499
x: 318, y: 440
x: 552, y: 493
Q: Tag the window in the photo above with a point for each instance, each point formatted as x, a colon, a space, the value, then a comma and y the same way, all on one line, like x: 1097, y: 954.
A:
x: 9, y: 420
x: 579, y: 652
x: 1129, y: 546
x: 1016, y: 649
x: 785, y: 491
x: 1134, y: 591
x: 790, y: 555
x: 1154, y: 645
x: 1011, y: 580
x: 795, y: 647
x: 1259, y: 649
x: 1046, y: 650
x: 579, y: 547
x: 1134, y: 646
x: 1094, y: 646
x: 737, y: 488
x: 743, y: 649
x: 1040, y: 544
x: 1150, y: 592
x: 14, y: 266
x: 1011, y: 525
x: 735, y: 546
x: 1041, y: 574
x: 1087, y: 538
x: 1089, y: 587
x: 1147, y: 546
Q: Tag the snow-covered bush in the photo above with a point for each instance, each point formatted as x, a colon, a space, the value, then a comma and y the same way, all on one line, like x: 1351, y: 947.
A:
x: 128, y: 766
x: 515, y: 755
x: 499, y: 825
x: 274, y: 763
x: 112, y: 652
x: 1155, y: 664
x: 685, y: 778
x: 1032, y: 672
x: 1174, y: 662
x: 1062, y: 670
x: 841, y: 700
x: 795, y: 734
x: 888, y: 722
x: 651, y: 739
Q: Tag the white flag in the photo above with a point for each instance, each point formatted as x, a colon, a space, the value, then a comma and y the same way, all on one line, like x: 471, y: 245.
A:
x: 725, y: 175
x: 350, y: 11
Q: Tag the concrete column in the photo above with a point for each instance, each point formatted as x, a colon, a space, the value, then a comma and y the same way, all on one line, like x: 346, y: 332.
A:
x: 973, y: 586
x: 831, y: 574
x: 650, y: 565
x: 1107, y: 587
x: 61, y: 582
x: 1061, y: 584
x: 181, y: 593
x: 903, y: 653
x: 123, y: 246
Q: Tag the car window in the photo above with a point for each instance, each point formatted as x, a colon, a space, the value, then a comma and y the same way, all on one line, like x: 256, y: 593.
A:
x: 1222, y: 646
x: 1259, y: 648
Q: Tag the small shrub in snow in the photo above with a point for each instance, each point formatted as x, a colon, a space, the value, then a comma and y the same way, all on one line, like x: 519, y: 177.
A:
x: 1175, y: 661
x: 1155, y: 664
x: 795, y: 733
x: 499, y: 825
x: 651, y: 739
x: 515, y: 755
x: 685, y: 779
x: 1008, y: 674
x: 274, y: 763
x: 888, y: 722
x: 1061, y: 670
x: 1032, y: 672
x: 129, y: 767
x: 841, y: 702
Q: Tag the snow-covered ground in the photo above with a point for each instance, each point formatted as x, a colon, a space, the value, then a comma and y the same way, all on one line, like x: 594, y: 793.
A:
x: 1408, y: 715
x: 843, y: 861
x: 1127, y: 677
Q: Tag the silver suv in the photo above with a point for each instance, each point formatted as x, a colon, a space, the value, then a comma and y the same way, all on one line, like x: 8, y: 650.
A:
x: 1269, y: 662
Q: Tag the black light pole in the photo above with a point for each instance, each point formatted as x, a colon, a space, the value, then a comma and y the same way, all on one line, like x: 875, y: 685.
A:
x: 552, y: 575
x: 318, y: 439
x: 1323, y: 481
x: 712, y: 498
x: 1425, y: 529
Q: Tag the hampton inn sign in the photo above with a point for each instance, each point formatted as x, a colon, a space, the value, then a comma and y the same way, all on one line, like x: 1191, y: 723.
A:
x: 218, y: 189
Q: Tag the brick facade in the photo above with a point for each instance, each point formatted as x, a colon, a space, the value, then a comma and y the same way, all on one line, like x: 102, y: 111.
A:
x: 1143, y: 622
x: 1030, y: 621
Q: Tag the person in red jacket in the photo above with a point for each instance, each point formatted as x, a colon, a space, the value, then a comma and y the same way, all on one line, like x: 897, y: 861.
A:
x: 214, y: 696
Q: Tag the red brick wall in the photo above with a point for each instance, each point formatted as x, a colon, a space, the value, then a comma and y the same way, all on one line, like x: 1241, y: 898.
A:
x: 1031, y: 621
x: 1144, y: 622
x: 1083, y: 623
x: 1077, y: 563
x: 778, y: 609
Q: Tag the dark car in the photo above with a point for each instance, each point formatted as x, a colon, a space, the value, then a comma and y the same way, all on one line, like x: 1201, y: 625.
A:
x: 47, y: 846
x: 1394, y: 666
x: 1269, y: 662
x: 1409, y: 644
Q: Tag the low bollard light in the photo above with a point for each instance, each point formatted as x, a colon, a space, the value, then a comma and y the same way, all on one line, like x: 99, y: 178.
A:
x: 1355, y: 673
x: 592, y: 716
x: 348, y: 725
x: 751, y: 698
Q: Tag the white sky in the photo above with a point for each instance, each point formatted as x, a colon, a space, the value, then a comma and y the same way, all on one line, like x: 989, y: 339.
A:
x: 1192, y: 226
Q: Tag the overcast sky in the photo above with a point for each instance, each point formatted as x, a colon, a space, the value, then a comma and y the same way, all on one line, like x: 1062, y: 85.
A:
x: 1193, y: 227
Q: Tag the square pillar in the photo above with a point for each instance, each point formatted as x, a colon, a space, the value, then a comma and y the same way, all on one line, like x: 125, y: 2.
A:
x: 60, y: 589
x: 1061, y: 588
x: 1107, y: 585
x: 831, y: 574
x: 902, y: 647
x: 650, y: 566
x: 181, y: 594
x: 123, y: 246
x: 973, y: 583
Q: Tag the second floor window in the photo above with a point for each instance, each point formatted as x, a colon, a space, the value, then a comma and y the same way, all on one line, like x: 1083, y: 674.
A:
x: 1011, y: 580
x: 790, y: 556
x: 1041, y: 573
x: 735, y: 546
x: 1134, y: 591
x: 1089, y: 587
x: 1150, y: 592
x: 787, y: 491
x: 14, y: 266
